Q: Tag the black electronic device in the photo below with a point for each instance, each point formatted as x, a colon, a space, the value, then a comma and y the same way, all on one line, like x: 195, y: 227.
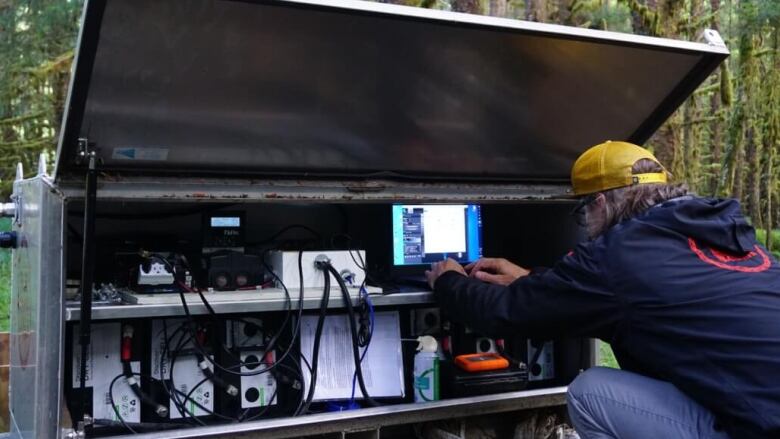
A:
x: 232, y: 271
x: 459, y: 383
x: 463, y: 341
x: 223, y: 230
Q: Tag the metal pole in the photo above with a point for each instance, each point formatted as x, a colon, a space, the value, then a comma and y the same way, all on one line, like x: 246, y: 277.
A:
x: 87, y: 276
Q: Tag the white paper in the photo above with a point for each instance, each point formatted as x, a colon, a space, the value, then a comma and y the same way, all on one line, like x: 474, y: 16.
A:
x: 444, y: 229
x: 382, y: 366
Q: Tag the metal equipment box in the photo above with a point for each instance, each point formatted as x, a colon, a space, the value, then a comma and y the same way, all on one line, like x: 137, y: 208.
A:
x: 321, y: 114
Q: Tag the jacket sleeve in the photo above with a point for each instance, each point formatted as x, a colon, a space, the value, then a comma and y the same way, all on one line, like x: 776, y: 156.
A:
x: 570, y: 299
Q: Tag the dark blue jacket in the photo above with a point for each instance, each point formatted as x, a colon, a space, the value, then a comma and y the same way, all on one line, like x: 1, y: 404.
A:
x: 682, y: 292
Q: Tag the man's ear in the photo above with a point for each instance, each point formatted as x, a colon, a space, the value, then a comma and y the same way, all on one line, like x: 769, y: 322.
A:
x: 600, y: 200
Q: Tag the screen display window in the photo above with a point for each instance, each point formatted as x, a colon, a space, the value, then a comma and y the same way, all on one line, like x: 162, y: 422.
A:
x: 429, y: 233
x: 232, y: 221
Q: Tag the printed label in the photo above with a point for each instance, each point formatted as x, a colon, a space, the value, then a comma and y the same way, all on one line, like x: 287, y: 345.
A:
x: 148, y: 154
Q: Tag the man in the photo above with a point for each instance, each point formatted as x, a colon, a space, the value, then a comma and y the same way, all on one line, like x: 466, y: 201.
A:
x: 677, y: 284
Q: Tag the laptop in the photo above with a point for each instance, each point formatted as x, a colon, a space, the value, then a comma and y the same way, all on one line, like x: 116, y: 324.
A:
x: 427, y: 233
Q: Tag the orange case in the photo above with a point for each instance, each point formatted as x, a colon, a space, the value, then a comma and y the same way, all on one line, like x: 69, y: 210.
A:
x: 481, y: 362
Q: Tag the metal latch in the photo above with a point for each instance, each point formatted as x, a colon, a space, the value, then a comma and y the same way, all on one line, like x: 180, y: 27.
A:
x: 713, y: 38
x: 7, y: 210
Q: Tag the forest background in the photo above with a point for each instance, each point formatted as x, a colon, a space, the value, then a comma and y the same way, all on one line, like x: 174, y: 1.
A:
x: 723, y: 141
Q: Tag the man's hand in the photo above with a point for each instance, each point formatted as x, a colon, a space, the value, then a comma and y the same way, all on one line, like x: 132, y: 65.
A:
x: 439, y: 268
x: 496, y: 271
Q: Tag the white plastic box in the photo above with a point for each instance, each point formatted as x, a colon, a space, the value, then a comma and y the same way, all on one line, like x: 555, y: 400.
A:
x: 285, y: 265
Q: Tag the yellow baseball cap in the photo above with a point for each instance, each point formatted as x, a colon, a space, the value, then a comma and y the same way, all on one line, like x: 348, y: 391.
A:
x: 608, y: 166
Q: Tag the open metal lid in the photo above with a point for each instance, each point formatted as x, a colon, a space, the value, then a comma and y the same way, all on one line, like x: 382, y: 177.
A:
x: 351, y: 88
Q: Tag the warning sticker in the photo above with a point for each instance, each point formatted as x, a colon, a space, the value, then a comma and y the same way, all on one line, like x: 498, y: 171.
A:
x: 147, y: 154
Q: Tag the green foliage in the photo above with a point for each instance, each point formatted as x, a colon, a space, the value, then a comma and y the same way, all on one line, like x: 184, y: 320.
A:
x: 761, y: 238
x: 36, y: 49
x: 605, y: 16
x: 606, y: 356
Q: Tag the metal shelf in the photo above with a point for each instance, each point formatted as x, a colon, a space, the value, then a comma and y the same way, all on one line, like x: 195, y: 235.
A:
x: 253, y: 301
x: 373, y: 418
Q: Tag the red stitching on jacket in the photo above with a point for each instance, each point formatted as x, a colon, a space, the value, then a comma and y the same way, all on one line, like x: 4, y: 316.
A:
x: 765, y: 261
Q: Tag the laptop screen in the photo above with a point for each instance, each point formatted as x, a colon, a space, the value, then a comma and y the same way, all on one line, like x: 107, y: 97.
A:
x: 423, y: 234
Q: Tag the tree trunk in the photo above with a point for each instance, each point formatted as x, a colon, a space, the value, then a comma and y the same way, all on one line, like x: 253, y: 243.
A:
x: 536, y: 10
x: 752, y: 154
x: 768, y: 187
x: 497, y: 8
x: 716, y: 143
x: 564, y: 15
x: 468, y: 6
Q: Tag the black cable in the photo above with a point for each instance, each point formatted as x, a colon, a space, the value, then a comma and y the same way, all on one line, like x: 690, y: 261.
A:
x: 127, y: 370
x: 228, y: 388
x: 365, y: 303
x: 271, y: 343
x: 167, y: 355
x: 537, y: 354
x: 366, y: 332
x: 308, y: 366
x: 219, y: 382
x: 362, y: 263
x: 269, y: 346
x: 316, y: 347
x: 172, y: 356
x: 182, y: 404
x: 174, y: 396
x: 113, y: 404
x: 353, y: 331
x: 199, y: 348
x: 188, y: 396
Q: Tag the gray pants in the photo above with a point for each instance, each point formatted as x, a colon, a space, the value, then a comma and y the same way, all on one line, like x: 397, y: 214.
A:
x: 614, y: 404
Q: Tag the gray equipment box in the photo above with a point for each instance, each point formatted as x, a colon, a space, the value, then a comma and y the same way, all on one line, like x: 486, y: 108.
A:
x: 323, y: 113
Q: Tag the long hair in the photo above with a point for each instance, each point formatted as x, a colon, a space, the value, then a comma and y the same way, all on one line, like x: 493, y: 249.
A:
x: 629, y: 201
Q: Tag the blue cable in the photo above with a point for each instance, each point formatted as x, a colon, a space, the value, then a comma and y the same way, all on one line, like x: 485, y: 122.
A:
x: 367, y: 298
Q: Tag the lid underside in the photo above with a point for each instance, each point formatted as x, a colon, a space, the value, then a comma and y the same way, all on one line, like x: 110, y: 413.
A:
x: 227, y: 87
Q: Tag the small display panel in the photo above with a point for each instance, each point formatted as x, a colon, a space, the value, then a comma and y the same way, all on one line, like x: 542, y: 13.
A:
x: 220, y: 221
x: 223, y: 230
x: 423, y: 234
